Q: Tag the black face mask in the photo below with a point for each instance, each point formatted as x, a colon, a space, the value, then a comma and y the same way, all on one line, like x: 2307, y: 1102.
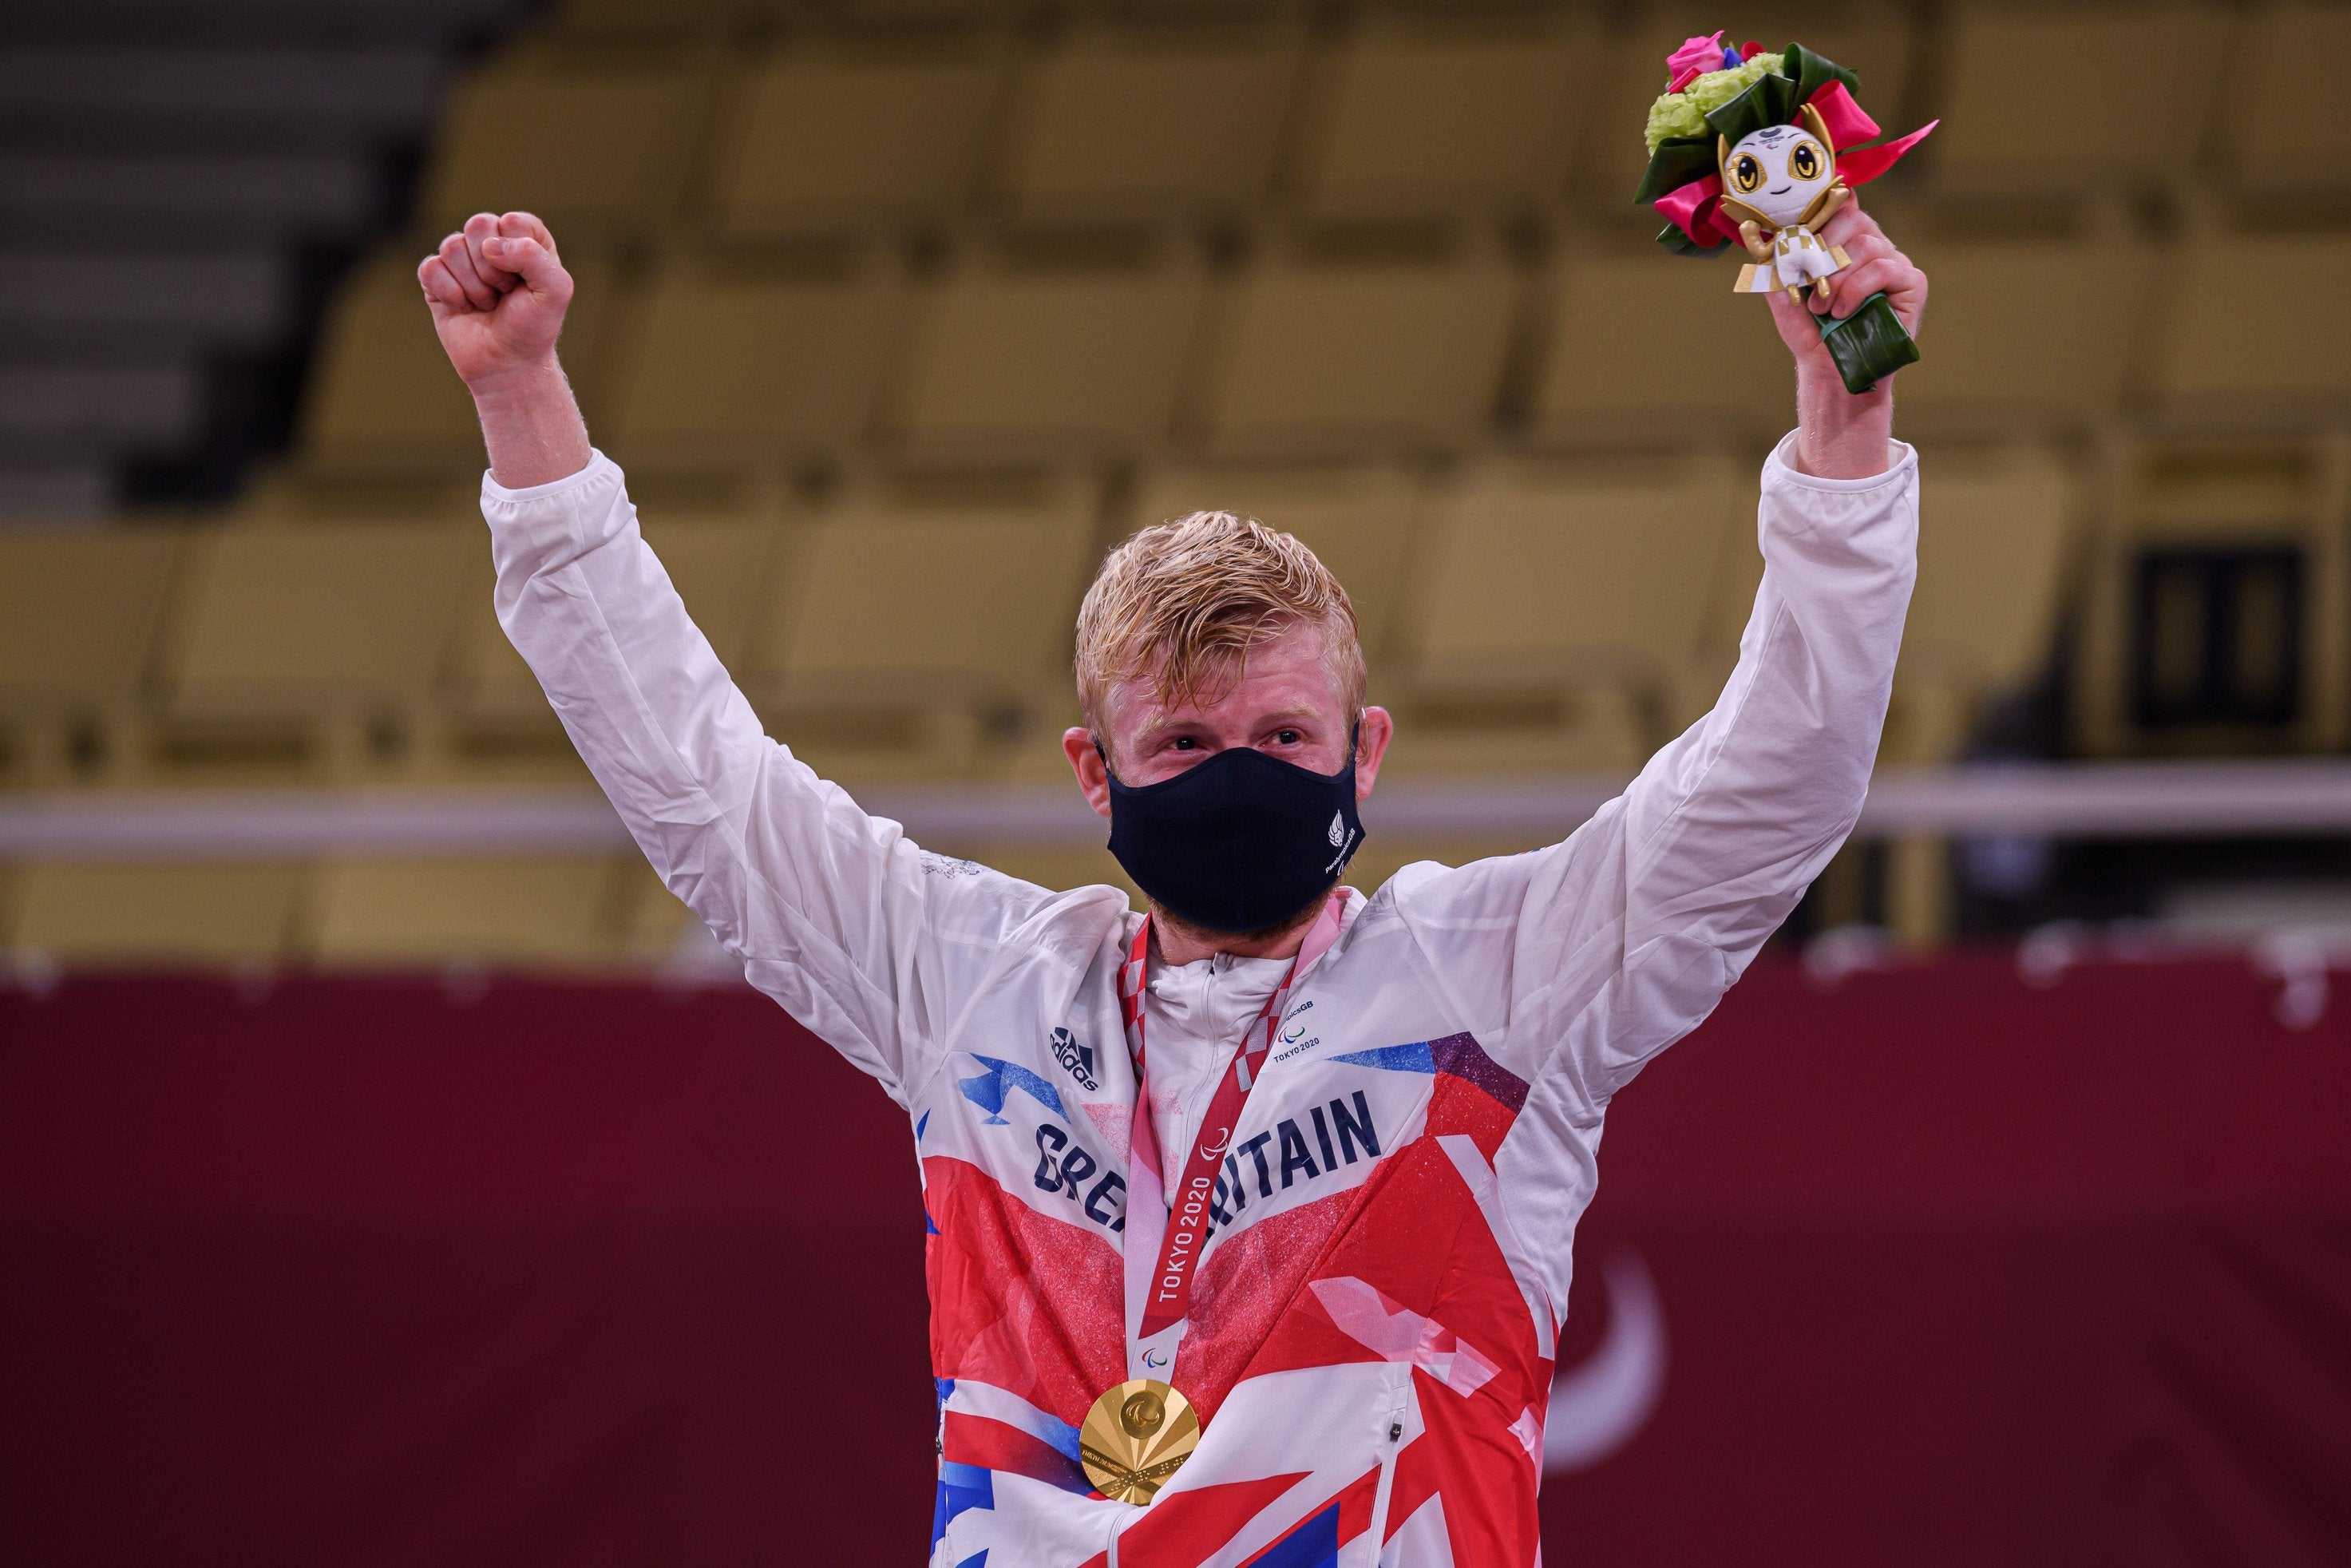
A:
x: 1242, y: 843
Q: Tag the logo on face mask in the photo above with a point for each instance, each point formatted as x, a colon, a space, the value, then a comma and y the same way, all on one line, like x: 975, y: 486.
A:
x: 1078, y: 1060
x: 1338, y: 833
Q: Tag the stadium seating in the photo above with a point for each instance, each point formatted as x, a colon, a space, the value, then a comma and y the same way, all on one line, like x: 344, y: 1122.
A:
x: 302, y: 652
x: 2214, y: 619
x: 2225, y: 354
x: 729, y: 363
x: 529, y: 912
x: 1352, y: 356
x: 1149, y: 122
x: 151, y: 915
x: 2272, y: 142
x: 1415, y: 120
x: 79, y: 612
x: 600, y: 143
x: 928, y: 628
x: 2074, y: 98
x: 2029, y: 333
x: 1998, y: 535
x: 1012, y: 361
x: 879, y: 133
x: 1644, y: 347
x: 1558, y: 603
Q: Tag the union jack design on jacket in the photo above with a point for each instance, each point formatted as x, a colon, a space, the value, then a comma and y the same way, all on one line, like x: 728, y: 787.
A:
x: 1373, y: 1313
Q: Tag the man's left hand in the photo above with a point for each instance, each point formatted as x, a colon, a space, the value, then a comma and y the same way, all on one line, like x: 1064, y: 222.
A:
x: 1843, y: 434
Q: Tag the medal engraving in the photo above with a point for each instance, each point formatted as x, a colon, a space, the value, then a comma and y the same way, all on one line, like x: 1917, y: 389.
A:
x: 1136, y: 1437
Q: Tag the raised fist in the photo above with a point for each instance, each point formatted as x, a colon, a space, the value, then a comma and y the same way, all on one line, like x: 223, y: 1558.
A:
x: 498, y: 291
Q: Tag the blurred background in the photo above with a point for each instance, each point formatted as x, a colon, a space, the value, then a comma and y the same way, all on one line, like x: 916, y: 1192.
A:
x: 390, y: 1169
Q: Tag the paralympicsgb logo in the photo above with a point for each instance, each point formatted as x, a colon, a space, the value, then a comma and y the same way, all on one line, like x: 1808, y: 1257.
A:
x: 1079, y: 1060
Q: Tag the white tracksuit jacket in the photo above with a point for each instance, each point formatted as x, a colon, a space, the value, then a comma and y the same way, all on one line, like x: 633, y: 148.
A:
x: 1372, y: 1318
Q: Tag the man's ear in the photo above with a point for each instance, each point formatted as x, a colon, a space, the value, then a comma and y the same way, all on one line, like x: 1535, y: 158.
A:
x: 1373, y: 733
x: 1085, y: 756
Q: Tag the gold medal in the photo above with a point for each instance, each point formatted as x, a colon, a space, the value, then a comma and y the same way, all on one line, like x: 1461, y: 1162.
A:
x: 1136, y: 1437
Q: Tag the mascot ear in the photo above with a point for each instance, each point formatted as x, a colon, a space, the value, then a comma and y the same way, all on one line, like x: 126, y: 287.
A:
x: 1723, y: 156
x: 1819, y: 128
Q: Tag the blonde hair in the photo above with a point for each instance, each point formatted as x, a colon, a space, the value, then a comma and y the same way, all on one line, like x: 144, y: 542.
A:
x: 1183, y: 603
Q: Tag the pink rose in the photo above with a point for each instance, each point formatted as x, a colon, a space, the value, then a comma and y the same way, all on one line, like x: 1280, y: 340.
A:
x: 1694, y: 60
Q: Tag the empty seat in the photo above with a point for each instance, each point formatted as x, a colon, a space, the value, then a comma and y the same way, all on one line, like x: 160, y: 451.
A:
x: 718, y: 545
x: 307, y: 648
x: 539, y: 912
x: 666, y: 18
x: 1640, y: 343
x: 153, y: 915
x: 2213, y: 617
x: 1150, y: 122
x: 1996, y: 541
x: 1415, y: 120
x: 852, y: 135
x: 2024, y: 330
x: 733, y: 364
x: 79, y: 614
x: 600, y: 143
x: 2073, y: 97
x: 381, y: 396
x: 930, y: 614
x: 2253, y: 325
x: 1869, y: 37
x: 1014, y: 362
x: 1358, y: 521
x: 1348, y: 356
x: 1557, y: 603
x: 2272, y: 140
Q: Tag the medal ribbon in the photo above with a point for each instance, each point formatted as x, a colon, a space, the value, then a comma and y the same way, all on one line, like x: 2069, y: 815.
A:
x: 1172, y: 1235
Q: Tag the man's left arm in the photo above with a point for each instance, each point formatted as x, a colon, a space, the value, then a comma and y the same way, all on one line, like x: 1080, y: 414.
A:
x: 1591, y: 956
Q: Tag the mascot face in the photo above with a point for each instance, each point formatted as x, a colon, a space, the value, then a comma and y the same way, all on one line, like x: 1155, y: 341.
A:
x: 1779, y: 171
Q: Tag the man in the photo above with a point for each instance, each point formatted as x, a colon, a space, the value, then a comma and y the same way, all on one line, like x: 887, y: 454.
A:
x: 1251, y: 1217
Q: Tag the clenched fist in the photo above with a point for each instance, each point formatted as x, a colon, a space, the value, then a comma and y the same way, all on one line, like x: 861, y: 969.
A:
x: 498, y: 291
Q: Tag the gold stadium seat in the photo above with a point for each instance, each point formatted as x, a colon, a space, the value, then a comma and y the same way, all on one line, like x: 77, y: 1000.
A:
x: 2027, y: 331
x: 719, y: 542
x: 381, y: 399
x: 118, y: 914
x: 78, y: 611
x: 2273, y: 141
x: 1415, y: 120
x: 2073, y: 97
x: 1558, y: 603
x: 1021, y: 361
x: 1149, y: 122
x: 305, y: 649
x: 2214, y: 618
x: 737, y: 364
x: 1640, y: 344
x: 537, y: 912
x: 1873, y: 39
x: 602, y: 143
x: 1997, y: 537
x: 1346, y: 356
x: 855, y: 133
x: 666, y: 18
x: 1360, y: 521
x: 928, y: 625
x: 2256, y: 327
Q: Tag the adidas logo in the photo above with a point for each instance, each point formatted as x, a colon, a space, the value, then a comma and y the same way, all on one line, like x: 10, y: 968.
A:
x: 1077, y: 1059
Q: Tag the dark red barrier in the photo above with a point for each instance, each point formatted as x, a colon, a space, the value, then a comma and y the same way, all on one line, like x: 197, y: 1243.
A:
x: 1953, y: 1270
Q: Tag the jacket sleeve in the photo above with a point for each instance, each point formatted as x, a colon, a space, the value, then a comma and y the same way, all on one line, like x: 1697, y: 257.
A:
x: 871, y: 942
x: 1588, y: 958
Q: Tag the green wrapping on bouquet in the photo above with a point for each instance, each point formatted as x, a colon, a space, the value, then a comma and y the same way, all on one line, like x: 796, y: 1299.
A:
x: 1869, y: 344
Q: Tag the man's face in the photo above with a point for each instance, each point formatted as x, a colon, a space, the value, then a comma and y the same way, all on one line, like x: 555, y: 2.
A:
x: 1288, y: 704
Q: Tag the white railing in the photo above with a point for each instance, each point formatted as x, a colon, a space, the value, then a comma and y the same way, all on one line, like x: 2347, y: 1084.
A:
x: 2080, y: 800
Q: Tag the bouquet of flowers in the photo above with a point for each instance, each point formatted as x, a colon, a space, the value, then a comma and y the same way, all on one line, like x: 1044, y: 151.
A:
x: 1760, y: 151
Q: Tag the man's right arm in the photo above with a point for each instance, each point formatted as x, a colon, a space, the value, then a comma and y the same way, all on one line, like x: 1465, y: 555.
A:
x: 832, y: 912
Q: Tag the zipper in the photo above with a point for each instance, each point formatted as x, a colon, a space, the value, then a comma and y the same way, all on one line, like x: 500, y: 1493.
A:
x: 1390, y: 1442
